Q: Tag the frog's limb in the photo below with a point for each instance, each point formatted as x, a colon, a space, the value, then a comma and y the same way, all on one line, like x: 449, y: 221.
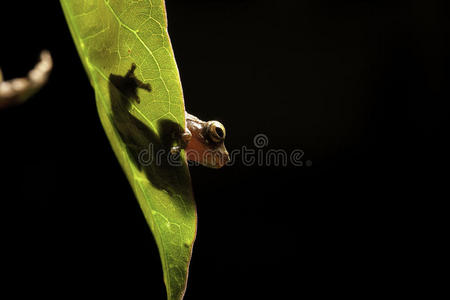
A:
x: 184, y: 140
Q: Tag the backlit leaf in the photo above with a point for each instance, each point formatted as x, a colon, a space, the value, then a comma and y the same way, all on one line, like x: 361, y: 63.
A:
x: 126, y: 51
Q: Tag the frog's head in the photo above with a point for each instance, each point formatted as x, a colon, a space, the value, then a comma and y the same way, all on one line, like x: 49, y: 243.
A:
x: 207, y: 145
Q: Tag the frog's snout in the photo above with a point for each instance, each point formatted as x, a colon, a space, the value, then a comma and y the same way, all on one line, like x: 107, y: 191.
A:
x: 226, y: 156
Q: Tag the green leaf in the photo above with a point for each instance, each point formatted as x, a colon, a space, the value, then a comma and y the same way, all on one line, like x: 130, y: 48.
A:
x: 140, y: 111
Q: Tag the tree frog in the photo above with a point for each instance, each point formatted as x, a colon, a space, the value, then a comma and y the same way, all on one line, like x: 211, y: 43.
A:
x: 204, y: 142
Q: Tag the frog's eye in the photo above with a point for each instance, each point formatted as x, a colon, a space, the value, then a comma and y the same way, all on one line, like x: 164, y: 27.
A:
x: 216, y: 131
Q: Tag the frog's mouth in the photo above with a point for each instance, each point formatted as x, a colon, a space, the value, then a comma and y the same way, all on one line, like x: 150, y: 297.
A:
x: 217, y: 161
x: 219, y: 157
x: 212, y: 158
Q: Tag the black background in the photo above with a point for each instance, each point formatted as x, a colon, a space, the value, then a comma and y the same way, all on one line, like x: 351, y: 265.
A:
x: 362, y: 88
